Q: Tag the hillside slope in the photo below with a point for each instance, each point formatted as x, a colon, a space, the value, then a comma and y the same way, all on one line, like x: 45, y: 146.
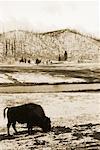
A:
x: 49, y: 45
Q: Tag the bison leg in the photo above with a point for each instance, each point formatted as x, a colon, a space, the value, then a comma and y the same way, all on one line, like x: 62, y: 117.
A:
x: 29, y: 128
x: 8, y: 126
x: 14, y: 127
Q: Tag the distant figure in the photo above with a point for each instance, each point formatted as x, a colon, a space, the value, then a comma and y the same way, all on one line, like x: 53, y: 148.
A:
x: 47, y: 62
x: 59, y: 58
x: 37, y: 61
x: 65, y: 55
x: 25, y: 60
x: 31, y: 114
x: 50, y: 62
x: 29, y: 61
x: 21, y: 60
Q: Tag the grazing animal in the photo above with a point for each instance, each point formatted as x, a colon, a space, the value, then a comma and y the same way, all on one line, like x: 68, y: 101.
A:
x: 21, y: 60
x: 38, y: 61
x: 29, y: 61
x: 31, y: 113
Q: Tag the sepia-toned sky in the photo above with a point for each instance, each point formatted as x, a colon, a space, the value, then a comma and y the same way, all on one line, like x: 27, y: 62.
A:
x: 51, y: 15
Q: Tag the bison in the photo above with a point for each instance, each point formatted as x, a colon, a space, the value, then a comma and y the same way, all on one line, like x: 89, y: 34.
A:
x: 38, y: 61
x: 31, y: 114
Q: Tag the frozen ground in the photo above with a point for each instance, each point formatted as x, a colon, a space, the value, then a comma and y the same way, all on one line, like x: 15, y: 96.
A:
x: 41, y: 77
x: 75, y: 116
x: 4, y: 79
x: 75, y: 121
x: 63, y: 72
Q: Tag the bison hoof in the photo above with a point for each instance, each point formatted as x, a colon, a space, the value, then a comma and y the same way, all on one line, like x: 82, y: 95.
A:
x: 29, y: 133
x: 9, y: 135
x: 16, y: 133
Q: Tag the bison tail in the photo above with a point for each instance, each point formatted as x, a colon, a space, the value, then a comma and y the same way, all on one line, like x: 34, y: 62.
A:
x: 4, y: 113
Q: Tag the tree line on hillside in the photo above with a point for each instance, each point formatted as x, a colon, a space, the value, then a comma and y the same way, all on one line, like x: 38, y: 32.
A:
x: 10, y: 48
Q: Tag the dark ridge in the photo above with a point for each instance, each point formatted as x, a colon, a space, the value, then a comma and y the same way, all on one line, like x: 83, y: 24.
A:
x: 86, y: 125
x: 55, y: 32
x: 98, y: 40
x: 33, y: 84
x: 75, y: 91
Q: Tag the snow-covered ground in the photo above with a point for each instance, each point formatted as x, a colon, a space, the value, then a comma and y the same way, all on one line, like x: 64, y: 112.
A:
x: 75, y: 116
x: 75, y: 119
x: 69, y: 65
x: 62, y: 72
x: 70, y: 108
x: 4, y: 79
x: 42, y: 78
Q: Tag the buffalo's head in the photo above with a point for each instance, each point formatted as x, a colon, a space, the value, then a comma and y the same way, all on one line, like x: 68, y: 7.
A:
x: 46, y: 124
